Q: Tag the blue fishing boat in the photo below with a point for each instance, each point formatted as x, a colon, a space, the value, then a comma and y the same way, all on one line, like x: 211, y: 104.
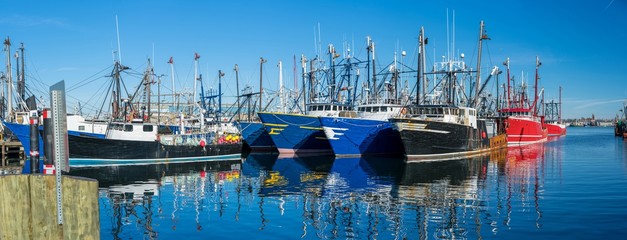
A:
x: 329, y: 92
x: 256, y: 137
x: 353, y: 137
x: 367, y: 131
x: 296, y: 134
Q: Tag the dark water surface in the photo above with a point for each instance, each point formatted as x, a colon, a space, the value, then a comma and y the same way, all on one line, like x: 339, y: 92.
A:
x: 574, y: 187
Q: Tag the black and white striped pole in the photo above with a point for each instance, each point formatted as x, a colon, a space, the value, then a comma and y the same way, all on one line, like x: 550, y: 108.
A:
x: 48, y: 141
x: 34, y: 141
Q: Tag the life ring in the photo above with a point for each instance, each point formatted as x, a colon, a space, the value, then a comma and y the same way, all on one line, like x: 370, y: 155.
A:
x: 403, y: 111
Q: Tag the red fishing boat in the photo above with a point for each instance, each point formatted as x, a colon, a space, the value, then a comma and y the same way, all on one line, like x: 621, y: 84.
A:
x: 522, y: 123
x: 556, y: 127
x: 524, y: 128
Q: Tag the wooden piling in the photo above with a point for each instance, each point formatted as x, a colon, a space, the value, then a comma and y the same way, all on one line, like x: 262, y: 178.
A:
x: 28, y: 208
x: 15, y: 207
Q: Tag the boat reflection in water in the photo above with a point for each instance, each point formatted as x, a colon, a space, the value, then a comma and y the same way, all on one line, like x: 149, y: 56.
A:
x: 263, y: 196
x: 330, y: 196
x: 135, y: 199
x: 475, y: 198
x: 444, y: 197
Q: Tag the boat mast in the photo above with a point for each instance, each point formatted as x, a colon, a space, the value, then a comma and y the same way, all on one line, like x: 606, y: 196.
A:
x: 116, y: 94
x: 7, y: 49
x: 559, y: 115
x: 482, y: 36
x: 203, y: 105
x: 148, y: 80
x: 354, y: 99
x: 368, y: 48
x: 171, y: 62
x: 219, y: 113
x: 295, y: 85
x: 196, y: 57
x: 374, y: 75
x: 541, y: 101
x: 506, y: 63
x: 2, y: 80
x: 303, y: 64
x: 261, y: 62
x: 17, y: 75
x: 395, y: 74
x: 117, y: 68
x: 22, y: 80
x: 421, y: 80
x: 117, y: 31
x: 332, y: 56
x: 535, y: 97
x: 236, y: 69
x: 313, y: 94
x: 159, y: 99
x: 281, y: 96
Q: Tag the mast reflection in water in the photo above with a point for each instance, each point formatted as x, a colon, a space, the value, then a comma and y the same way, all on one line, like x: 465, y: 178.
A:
x: 265, y: 197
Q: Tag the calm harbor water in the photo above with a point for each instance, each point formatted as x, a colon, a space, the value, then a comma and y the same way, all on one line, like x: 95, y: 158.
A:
x: 573, y: 187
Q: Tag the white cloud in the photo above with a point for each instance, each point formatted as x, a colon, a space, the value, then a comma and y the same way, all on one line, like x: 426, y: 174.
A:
x: 29, y: 21
x: 592, y: 103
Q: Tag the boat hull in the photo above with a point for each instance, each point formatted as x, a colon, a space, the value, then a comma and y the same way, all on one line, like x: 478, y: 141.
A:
x: 555, y: 129
x: 426, y: 140
x: 354, y: 137
x: 22, y: 132
x: 296, y: 134
x: 86, y: 150
x: 256, y: 137
x: 112, y: 149
x: 521, y: 131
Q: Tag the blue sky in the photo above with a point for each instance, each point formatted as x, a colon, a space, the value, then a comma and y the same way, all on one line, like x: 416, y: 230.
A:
x: 581, y: 44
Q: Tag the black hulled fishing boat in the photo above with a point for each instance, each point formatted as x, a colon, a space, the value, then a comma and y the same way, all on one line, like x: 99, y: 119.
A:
x: 445, y: 124
x: 132, y: 138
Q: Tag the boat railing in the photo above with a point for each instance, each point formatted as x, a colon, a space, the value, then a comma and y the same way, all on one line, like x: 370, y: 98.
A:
x: 198, y: 139
x: 384, y: 101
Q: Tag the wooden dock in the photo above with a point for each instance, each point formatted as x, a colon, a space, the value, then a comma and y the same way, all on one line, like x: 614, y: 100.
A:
x: 12, y: 153
x: 28, y: 208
